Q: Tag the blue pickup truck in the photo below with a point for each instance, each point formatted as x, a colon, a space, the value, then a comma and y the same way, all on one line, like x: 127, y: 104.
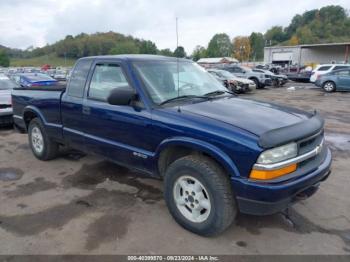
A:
x: 217, y: 154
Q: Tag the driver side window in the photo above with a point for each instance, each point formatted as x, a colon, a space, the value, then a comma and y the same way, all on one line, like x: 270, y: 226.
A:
x: 105, y: 78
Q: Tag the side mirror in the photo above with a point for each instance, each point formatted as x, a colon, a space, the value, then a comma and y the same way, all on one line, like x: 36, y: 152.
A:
x: 121, y: 96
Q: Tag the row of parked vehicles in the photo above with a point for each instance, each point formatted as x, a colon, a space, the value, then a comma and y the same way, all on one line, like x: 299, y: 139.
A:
x: 59, y: 73
x: 242, y: 79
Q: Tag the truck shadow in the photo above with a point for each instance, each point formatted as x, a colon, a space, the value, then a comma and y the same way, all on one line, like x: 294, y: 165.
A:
x: 290, y: 221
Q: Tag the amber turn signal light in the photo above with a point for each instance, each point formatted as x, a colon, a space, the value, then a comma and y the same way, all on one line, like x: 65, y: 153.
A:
x: 270, y: 174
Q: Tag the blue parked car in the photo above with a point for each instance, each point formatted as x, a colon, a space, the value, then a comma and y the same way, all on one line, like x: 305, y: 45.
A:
x: 34, y: 80
x: 338, y: 80
x: 217, y: 154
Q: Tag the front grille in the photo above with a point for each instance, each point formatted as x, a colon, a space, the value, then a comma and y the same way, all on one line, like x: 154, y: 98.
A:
x: 310, y: 143
x: 307, y: 145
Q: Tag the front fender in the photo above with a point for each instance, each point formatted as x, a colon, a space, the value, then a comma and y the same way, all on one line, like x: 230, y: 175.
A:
x: 202, y: 146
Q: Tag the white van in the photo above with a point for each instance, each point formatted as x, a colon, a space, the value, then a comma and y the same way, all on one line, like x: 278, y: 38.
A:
x: 326, y: 68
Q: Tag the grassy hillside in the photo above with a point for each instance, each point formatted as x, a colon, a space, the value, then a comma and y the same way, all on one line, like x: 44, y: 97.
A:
x: 51, y: 59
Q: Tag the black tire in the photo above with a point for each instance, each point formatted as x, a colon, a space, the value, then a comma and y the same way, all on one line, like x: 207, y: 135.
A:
x: 329, y: 86
x: 256, y: 82
x: 216, y: 182
x: 50, y: 148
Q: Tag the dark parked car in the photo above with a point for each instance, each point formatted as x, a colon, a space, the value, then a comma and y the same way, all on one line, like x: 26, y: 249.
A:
x: 218, y: 154
x: 35, y: 80
x: 276, y: 79
x: 6, y: 86
x: 233, y: 83
x: 260, y: 79
x: 338, y: 80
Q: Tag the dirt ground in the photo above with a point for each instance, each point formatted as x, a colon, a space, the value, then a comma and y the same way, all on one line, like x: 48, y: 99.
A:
x: 79, y: 204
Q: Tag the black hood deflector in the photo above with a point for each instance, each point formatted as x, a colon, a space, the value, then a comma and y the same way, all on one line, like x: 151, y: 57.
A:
x: 297, y: 131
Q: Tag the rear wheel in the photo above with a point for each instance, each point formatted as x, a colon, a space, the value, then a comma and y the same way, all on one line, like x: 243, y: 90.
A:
x: 42, y: 146
x: 329, y: 86
x: 199, y: 195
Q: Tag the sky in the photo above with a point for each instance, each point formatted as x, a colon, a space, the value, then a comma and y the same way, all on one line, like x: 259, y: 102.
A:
x: 25, y: 23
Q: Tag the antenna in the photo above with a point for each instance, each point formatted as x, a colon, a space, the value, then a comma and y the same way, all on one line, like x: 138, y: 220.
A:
x: 177, y: 64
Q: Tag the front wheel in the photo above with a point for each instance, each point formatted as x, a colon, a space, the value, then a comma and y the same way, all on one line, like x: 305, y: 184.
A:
x: 256, y: 82
x: 42, y: 146
x: 199, y: 195
x: 329, y: 86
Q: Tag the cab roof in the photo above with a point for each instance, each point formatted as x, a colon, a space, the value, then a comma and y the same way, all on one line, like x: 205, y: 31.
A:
x: 138, y: 57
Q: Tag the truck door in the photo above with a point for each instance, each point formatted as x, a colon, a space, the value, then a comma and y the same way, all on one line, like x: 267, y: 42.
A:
x: 72, y: 105
x: 117, y: 132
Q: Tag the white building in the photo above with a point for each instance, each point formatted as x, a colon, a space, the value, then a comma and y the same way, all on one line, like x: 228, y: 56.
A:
x: 307, y: 54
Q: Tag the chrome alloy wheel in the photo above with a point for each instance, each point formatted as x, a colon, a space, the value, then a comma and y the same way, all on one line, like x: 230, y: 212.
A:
x: 37, y: 140
x: 329, y: 86
x: 192, y: 199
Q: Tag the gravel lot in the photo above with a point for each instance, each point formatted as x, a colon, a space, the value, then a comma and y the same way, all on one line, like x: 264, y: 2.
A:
x: 81, y: 204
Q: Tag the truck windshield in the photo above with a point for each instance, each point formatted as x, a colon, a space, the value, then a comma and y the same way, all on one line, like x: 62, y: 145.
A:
x: 163, y: 81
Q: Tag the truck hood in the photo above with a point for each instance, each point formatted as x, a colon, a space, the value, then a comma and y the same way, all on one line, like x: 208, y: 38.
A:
x: 254, y: 116
x: 5, y: 97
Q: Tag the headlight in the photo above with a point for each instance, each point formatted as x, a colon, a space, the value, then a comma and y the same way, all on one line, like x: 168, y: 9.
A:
x: 278, y: 154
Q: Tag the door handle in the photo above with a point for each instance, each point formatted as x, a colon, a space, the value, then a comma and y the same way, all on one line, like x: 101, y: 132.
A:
x: 86, y: 110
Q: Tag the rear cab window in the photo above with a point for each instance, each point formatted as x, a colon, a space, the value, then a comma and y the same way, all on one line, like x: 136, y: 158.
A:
x: 78, y: 78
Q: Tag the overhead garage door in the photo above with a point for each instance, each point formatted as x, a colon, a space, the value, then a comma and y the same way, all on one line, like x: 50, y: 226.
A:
x: 282, y: 56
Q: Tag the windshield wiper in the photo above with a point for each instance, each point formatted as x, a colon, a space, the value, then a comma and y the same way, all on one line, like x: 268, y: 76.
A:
x: 182, y: 97
x: 216, y: 93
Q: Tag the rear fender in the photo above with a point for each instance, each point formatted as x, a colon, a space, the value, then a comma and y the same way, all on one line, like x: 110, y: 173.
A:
x: 35, y: 111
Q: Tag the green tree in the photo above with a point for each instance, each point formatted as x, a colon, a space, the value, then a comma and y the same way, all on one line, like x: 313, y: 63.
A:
x: 148, y: 47
x: 126, y: 47
x: 219, y: 46
x: 4, y: 59
x: 198, y: 53
x: 166, y: 52
x: 276, y: 35
x: 257, y: 43
x: 180, y: 52
x: 305, y: 35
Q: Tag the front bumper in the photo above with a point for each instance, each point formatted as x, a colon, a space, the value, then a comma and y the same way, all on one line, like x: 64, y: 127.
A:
x: 318, y: 83
x: 6, y: 116
x: 7, y: 111
x: 267, y: 81
x: 261, y: 198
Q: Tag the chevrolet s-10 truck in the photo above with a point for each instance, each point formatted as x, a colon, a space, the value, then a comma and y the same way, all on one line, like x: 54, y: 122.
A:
x: 218, y: 154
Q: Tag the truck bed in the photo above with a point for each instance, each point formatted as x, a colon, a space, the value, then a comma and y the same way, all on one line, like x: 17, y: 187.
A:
x: 45, y: 101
